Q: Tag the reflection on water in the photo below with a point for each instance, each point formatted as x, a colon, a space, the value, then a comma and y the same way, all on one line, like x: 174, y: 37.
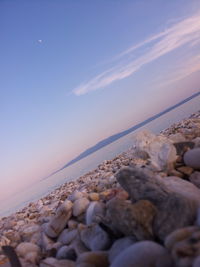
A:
x: 72, y: 172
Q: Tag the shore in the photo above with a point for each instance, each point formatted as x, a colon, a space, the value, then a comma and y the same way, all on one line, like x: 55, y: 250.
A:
x: 143, y: 202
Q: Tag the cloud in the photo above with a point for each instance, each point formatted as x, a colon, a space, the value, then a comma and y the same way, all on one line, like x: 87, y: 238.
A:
x: 185, y: 32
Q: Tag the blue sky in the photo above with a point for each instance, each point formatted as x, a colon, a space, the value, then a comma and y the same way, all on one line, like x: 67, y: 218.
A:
x: 75, y: 72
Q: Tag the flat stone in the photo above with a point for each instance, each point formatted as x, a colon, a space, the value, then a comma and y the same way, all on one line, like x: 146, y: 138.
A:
x: 95, y: 238
x: 80, y: 206
x: 131, y: 219
x: 97, y: 259
x: 192, y: 158
x: 143, y: 254
x: 59, y: 220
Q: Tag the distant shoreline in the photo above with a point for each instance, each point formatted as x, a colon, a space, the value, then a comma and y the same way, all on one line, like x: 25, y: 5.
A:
x: 117, y: 136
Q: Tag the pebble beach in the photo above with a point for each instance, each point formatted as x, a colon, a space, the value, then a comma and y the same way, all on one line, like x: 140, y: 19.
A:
x: 140, y: 209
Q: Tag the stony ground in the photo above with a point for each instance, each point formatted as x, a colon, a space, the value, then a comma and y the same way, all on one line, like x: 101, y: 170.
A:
x: 139, y: 209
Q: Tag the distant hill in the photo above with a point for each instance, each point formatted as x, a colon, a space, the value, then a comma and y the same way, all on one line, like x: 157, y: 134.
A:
x: 115, y: 137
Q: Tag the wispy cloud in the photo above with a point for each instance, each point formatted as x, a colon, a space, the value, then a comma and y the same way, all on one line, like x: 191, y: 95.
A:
x: 185, y: 32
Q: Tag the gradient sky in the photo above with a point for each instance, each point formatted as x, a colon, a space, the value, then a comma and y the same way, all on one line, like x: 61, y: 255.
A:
x: 75, y: 72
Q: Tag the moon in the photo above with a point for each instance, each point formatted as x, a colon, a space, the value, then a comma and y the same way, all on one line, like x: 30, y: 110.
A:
x: 39, y: 41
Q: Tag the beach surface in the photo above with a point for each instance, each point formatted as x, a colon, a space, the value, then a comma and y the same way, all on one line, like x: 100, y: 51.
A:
x: 145, y: 201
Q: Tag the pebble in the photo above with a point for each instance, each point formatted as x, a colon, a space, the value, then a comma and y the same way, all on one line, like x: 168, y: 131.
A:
x: 143, y: 254
x: 67, y: 236
x: 66, y: 252
x: 119, y: 246
x: 195, y: 178
x: 80, y: 206
x: 192, y: 158
x: 31, y: 252
x: 59, y: 220
x: 95, y: 238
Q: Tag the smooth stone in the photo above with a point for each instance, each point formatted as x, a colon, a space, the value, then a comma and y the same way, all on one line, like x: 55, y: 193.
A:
x: 78, y: 246
x: 95, y: 238
x: 119, y: 246
x: 56, y: 263
x: 179, y: 235
x: 129, y: 219
x: 143, y: 254
x: 67, y: 253
x: 97, y: 259
x: 59, y: 220
x: 196, y: 262
x: 195, y: 178
x: 76, y: 195
x: 67, y: 236
x: 192, y: 158
x: 176, y: 199
x: 95, y: 212
x: 94, y: 196
x: 80, y: 206
x: 31, y: 252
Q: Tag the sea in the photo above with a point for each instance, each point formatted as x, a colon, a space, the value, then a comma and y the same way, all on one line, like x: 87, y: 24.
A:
x: 43, y: 187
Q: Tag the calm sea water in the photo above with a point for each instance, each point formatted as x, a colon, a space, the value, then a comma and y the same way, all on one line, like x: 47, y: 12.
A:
x: 42, y: 188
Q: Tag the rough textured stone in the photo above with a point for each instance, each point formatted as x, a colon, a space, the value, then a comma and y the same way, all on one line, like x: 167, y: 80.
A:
x: 176, y: 200
x: 131, y: 219
x: 80, y: 206
x: 95, y: 238
x: 192, y: 158
x: 160, y: 149
x: 59, y: 220
x: 143, y: 254
x: 119, y: 246
x: 97, y: 259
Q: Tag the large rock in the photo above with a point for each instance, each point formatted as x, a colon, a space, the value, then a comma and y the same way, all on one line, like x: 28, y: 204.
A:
x: 160, y: 149
x: 176, y: 200
x: 95, y: 238
x: 192, y: 158
x: 143, y: 254
x: 59, y: 220
x: 129, y: 219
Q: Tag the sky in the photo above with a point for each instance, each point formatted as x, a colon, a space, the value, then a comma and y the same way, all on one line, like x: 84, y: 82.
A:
x: 75, y: 72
